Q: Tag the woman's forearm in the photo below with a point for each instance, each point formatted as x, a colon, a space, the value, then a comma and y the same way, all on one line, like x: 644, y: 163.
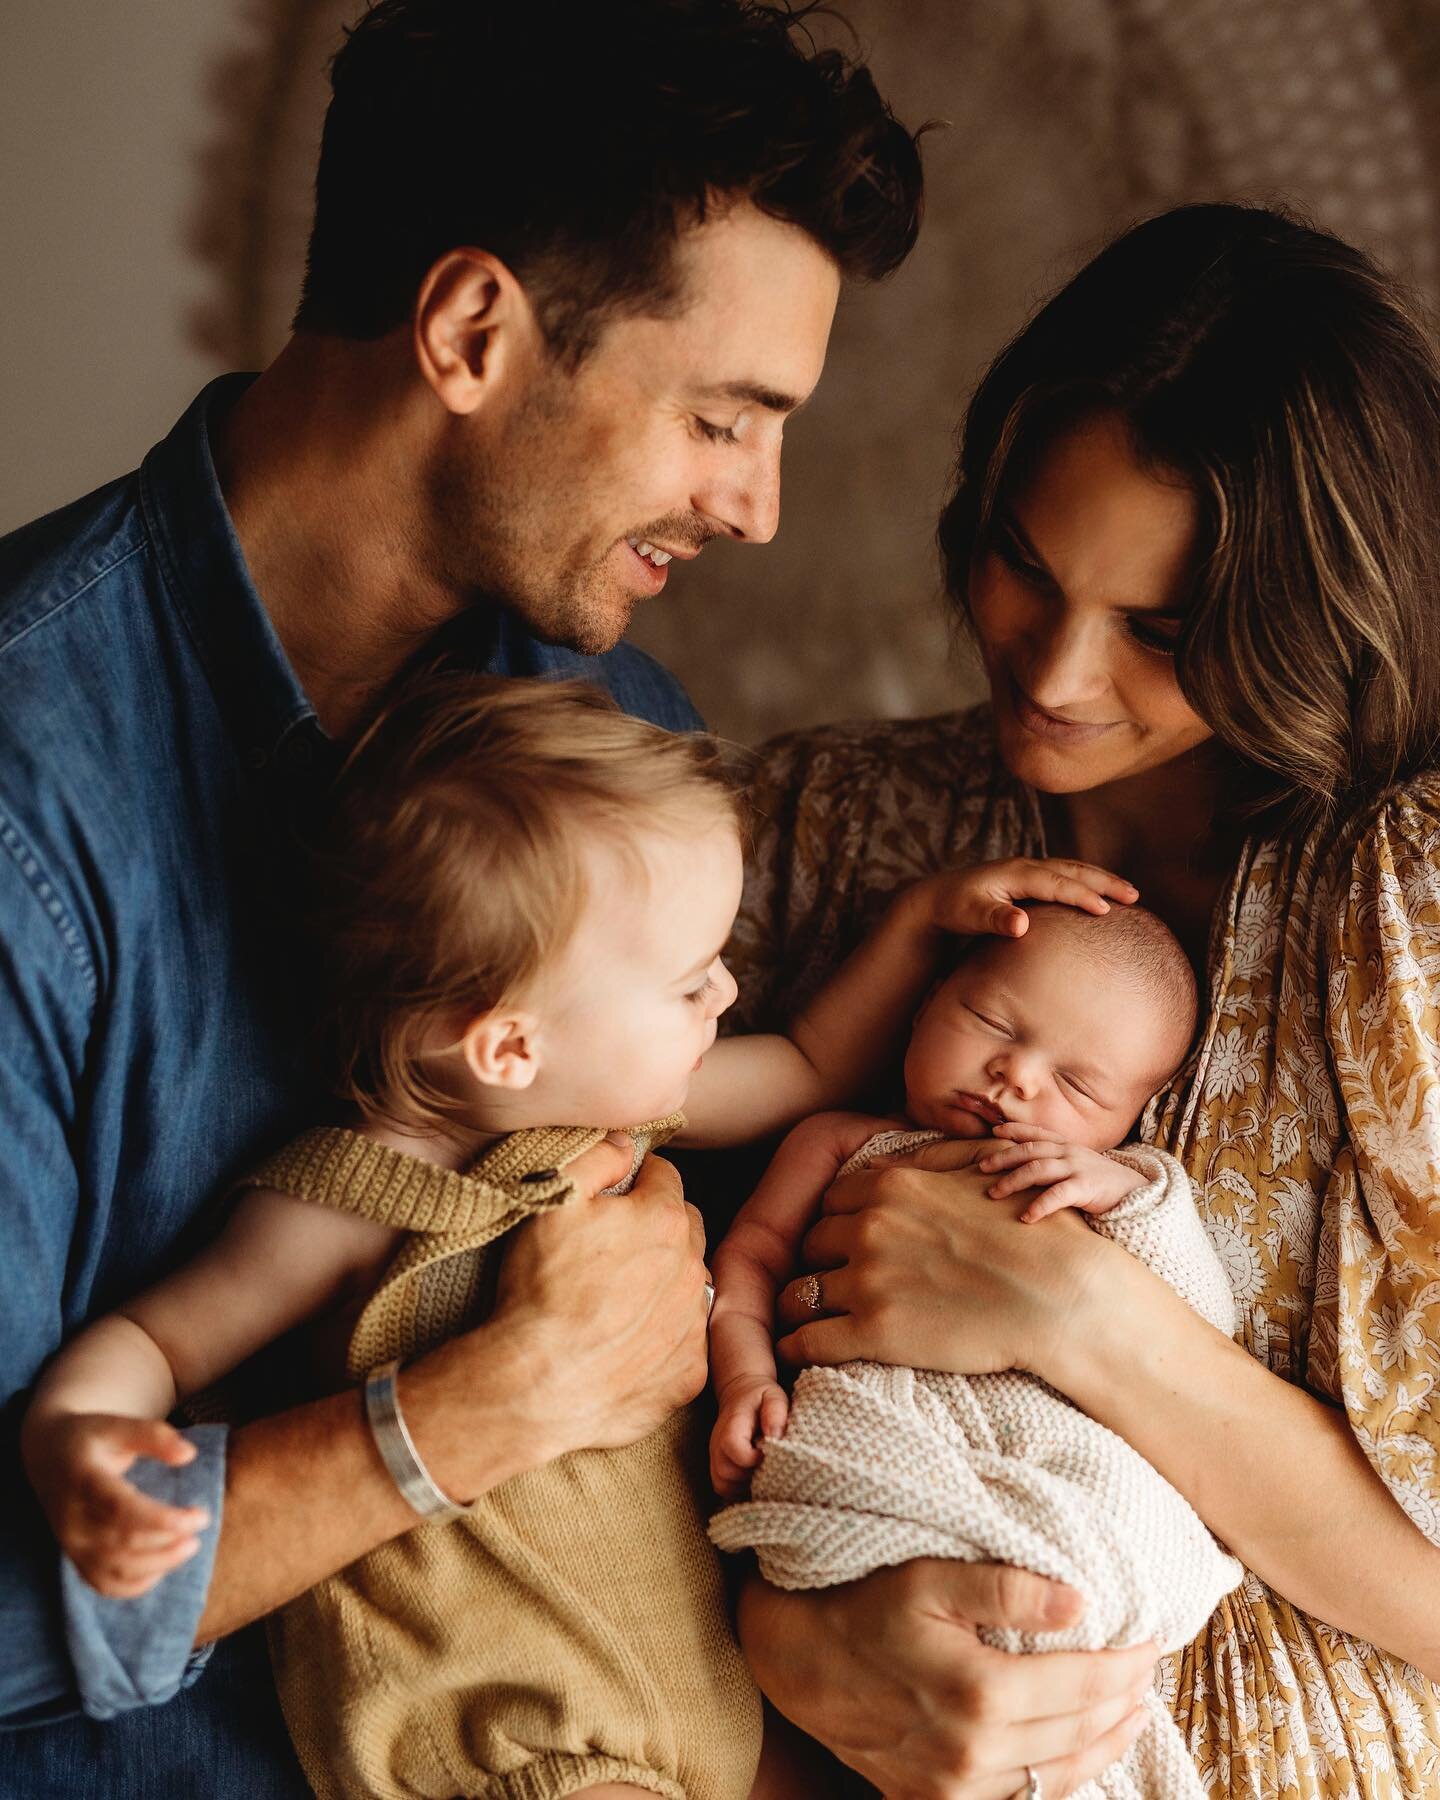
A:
x: 1276, y: 1474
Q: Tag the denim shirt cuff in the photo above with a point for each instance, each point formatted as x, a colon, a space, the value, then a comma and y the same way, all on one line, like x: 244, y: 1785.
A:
x: 130, y: 1653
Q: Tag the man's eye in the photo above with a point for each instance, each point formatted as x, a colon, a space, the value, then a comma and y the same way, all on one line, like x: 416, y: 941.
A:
x: 717, y: 434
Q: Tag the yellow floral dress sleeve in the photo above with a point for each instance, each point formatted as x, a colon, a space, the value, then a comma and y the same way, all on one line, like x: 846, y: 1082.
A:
x: 1377, y: 1344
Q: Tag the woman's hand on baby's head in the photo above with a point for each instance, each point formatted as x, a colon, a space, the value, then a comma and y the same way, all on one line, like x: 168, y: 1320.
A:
x: 1069, y: 1175
x: 750, y: 1410
x: 985, y: 897
x: 121, y: 1541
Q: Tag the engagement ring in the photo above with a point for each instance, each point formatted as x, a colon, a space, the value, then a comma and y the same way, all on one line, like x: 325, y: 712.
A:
x: 809, y: 1295
x: 709, y: 1298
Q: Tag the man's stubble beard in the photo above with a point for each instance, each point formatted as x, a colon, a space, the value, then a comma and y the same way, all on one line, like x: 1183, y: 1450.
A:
x: 495, y: 512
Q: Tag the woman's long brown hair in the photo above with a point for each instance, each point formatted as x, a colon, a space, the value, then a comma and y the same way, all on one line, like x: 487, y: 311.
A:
x: 1295, y: 389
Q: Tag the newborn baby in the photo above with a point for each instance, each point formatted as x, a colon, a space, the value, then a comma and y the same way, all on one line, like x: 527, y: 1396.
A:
x: 1043, y: 1049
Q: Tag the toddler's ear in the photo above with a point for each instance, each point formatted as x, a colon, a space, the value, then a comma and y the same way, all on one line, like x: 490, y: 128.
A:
x: 501, y: 1049
x: 930, y: 993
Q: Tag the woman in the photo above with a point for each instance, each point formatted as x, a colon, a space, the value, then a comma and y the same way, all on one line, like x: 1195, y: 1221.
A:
x: 1196, y: 536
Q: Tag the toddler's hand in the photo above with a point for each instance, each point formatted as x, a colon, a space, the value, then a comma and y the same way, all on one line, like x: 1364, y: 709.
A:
x: 983, y: 898
x: 1085, y: 1180
x: 749, y: 1411
x: 120, y: 1540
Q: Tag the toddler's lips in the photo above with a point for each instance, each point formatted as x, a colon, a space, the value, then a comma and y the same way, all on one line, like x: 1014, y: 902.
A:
x: 982, y: 1109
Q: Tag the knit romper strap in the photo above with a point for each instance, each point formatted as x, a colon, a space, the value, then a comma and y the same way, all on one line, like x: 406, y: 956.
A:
x: 430, y: 1290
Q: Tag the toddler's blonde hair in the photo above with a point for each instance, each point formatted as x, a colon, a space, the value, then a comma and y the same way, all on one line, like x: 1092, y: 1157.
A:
x: 452, y: 864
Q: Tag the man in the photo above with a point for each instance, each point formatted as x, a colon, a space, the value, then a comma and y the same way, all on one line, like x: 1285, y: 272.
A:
x: 568, y: 277
x: 569, y: 274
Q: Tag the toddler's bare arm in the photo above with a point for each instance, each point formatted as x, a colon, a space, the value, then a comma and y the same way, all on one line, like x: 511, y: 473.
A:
x: 856, y: 1025
x: 102, y: 1402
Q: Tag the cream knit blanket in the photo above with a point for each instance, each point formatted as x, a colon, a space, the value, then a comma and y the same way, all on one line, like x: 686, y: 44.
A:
x: 879, y: 1465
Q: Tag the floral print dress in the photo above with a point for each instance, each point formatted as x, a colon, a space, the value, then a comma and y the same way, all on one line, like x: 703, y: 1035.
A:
x: 1308, y: 1118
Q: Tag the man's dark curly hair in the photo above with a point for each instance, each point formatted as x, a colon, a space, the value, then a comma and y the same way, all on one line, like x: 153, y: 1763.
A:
x: 577, y: 142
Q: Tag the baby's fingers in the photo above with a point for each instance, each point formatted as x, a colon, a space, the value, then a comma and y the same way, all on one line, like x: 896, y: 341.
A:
x: 122, y: 1511
x: 122, y: 1440
x: 123, y: 1577
x: 1010, y: 1156
x: 1055, y: 1199
x: 1014, y: 1131
x: 1039, y: 1172
x: 774, y: 1410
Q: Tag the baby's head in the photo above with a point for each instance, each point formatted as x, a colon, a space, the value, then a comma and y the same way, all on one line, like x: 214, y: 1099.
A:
x: 522, y: 898
x: 1071, y: 1027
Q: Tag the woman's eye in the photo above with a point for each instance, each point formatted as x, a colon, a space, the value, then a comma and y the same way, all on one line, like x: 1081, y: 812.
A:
x: 1163, y: 637
x: 717, y: 434
x: 1018, y: 563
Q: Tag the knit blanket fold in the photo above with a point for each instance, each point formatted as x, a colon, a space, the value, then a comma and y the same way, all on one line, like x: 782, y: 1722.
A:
x: 879, y: 1465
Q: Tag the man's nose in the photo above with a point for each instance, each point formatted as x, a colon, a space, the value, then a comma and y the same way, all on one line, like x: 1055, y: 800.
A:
x: 745, y: 498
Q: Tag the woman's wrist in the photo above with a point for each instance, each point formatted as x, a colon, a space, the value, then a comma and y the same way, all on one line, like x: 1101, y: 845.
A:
x: 1090, y: 1328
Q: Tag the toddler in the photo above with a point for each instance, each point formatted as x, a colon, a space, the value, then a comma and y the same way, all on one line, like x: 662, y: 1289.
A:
x: 1042, y: 1050
x: 524, y: 898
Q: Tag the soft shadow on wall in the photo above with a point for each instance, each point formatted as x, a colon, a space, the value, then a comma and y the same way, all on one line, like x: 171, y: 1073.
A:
x: 1064, y: 120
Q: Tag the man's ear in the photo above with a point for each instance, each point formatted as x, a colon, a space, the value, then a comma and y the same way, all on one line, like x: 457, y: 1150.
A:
x: 473, y: 325
x: 501, y: 1049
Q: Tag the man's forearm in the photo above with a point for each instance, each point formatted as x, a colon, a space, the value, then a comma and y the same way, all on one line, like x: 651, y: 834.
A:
x: 306, y: 1491
x: 1275, y: 1473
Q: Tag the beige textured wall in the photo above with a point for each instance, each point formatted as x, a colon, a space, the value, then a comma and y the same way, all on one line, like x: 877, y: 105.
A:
x: 155, y: 160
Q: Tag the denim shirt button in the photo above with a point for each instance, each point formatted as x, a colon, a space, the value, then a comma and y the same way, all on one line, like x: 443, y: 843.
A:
x: 255, y: 757
x: 299, y: 752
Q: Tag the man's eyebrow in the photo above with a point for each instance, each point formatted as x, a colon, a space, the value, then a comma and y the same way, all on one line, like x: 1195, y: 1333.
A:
x: 754, y: 393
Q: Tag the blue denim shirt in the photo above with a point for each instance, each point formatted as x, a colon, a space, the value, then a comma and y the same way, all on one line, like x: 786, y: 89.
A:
x: 154, y: 745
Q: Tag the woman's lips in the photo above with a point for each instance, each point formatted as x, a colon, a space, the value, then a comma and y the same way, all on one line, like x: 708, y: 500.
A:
x: 1050, y: 725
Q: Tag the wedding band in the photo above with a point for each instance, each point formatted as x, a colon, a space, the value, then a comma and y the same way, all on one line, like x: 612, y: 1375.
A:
x: 809, y: 1295
x: 1033, y: 1789
x: 709, y: 1298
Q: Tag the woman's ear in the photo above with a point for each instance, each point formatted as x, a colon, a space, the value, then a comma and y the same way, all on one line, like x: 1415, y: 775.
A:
x: 474, y: 329
x: 501, y: 1049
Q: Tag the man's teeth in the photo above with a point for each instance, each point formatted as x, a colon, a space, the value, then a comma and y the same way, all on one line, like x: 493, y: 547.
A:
x: 658, y: 558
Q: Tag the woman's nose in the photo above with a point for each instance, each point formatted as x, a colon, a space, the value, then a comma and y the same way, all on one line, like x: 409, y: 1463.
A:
x: 1067, y: 662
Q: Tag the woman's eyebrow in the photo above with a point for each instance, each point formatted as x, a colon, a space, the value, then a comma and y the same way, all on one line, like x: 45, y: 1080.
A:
x: 1009, y: 522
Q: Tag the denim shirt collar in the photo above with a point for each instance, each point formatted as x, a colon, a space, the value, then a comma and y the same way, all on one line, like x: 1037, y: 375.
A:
x: 266, y: 711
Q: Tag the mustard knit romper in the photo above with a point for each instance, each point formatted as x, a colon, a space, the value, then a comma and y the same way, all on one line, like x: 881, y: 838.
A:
x: 571, y: 1628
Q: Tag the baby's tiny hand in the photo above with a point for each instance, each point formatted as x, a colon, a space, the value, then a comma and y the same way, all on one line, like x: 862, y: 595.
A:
x: 1072, y: 1176
x: 120, y: 1540
x: 748, y: 1413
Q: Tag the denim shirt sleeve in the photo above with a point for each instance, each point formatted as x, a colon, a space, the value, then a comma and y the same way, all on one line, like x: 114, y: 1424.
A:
x: 59, y: 1641
x: 138, y: 1652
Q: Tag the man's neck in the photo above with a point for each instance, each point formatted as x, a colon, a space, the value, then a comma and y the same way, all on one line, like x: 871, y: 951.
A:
x: 318, y: 463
